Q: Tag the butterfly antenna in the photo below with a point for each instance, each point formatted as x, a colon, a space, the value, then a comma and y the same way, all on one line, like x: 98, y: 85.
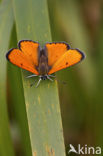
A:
x: 63, y: 82
x: 52, y: 76
x: 38, y: 82
x: 31, y: 76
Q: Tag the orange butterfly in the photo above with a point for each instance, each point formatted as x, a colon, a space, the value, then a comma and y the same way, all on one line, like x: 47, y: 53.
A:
x: 44, y: 61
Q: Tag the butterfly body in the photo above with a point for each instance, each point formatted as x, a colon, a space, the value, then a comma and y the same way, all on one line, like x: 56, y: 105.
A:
x: 44, y: 61
x: 43, y: 67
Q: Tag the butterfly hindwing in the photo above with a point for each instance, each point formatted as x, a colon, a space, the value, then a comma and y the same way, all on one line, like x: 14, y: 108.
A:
x: 69, y: 58
x: 55, y: 50
x: 26, y: 57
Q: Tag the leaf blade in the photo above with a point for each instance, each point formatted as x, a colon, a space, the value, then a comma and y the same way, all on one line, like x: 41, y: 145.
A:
x: 6, y: 18
x: 42, y: 108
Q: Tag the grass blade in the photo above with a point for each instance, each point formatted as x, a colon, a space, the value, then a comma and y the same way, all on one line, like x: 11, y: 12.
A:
x: 6, y: 18
x: 17, y: 102
x: 42, y: 103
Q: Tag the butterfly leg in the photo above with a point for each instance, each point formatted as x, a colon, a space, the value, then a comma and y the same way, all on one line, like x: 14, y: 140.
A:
x: 31, y: 76
x: 38, y: 82
x: 49, y: 78
x: 32, y: 84
x: 52, y: 76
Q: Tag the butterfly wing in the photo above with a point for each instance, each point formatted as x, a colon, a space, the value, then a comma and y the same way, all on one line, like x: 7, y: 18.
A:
x: 69, y: 58
x: 26, y: 57
x: 55, y: 51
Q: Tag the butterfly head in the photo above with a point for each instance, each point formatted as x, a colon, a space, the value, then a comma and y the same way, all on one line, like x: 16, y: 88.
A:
x: 44, y: 77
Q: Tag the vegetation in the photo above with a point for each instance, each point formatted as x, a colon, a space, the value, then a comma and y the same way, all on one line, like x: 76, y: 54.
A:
x: 31, y: 118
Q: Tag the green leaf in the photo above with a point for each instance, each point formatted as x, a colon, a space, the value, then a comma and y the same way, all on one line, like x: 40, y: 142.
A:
x: 42, y: 103
x: 6, y: 18
x: 17, y: 102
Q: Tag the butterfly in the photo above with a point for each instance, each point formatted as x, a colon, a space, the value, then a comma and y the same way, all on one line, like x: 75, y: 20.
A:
x: 43, y: 62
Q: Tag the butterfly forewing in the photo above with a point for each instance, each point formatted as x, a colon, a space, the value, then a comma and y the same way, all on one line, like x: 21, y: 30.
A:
x: 26, y: 57
x: 55, y: 51
x: 69, y: 58
x: 30, y: 49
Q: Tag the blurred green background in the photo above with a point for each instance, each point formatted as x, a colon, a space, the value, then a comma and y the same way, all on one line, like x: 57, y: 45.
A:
x: 79, y: 23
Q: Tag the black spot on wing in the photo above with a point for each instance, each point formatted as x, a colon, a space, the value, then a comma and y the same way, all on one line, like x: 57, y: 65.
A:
x: 66, y: 63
